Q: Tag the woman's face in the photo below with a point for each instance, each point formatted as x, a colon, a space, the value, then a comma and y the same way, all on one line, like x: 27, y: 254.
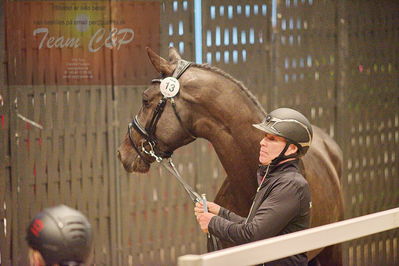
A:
x: 270, y: 147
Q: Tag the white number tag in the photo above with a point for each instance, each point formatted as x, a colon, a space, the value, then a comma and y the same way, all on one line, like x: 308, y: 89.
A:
x: 170, y: 87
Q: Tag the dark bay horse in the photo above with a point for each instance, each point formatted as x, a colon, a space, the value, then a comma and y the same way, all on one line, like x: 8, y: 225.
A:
x: 213, y: 105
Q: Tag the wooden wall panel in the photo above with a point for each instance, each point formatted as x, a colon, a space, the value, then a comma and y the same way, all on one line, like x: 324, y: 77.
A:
x: 371, y: 124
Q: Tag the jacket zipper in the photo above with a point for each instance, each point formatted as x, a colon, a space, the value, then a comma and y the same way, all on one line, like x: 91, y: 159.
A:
x: 260, y: 185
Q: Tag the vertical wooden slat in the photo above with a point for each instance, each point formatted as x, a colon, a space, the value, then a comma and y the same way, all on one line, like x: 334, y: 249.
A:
x: 51, y: 173
x: 5, y: 149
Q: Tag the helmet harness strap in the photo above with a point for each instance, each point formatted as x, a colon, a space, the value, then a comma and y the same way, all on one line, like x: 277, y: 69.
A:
x: 281, y: 157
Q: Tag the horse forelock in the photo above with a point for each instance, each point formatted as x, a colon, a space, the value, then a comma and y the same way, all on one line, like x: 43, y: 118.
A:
x: 242, y: 87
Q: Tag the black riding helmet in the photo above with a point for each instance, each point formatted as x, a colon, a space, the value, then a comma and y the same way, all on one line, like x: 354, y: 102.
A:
x: 291, y: 125
x: 61, y: 234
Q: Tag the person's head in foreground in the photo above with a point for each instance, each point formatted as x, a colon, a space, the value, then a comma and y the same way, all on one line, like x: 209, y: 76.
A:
x: 288, y: 135
x: 59, y: 236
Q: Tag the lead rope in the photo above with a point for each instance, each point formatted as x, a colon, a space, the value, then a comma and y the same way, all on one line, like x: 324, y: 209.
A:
x: 195, y: 197
x: 206, y: 210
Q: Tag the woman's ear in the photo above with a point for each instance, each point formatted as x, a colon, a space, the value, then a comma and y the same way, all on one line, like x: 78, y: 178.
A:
x: 292, y: 149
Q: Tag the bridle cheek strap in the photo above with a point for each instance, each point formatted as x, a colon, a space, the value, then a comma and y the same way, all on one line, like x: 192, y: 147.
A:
x: 154, y: 120
x: 154, y: 151
x: 138, y: 129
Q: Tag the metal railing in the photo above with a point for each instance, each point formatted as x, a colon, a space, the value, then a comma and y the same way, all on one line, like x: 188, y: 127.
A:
x: 291, y: 244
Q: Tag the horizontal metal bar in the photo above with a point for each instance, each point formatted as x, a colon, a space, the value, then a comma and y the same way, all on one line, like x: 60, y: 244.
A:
x: 290, y: 244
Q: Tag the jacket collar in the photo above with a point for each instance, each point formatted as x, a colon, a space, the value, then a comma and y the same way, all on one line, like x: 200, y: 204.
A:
x: 274, y: 171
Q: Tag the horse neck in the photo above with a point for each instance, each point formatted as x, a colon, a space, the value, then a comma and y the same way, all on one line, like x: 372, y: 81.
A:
x: 226, y: 121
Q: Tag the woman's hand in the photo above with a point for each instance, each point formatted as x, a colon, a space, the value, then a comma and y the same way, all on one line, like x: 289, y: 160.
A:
x: 203, y: 220
x: 212, y: 208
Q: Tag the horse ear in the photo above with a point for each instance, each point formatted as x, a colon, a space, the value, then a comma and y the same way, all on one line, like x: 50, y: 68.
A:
x: 174, y: 56
x: 160, y: 64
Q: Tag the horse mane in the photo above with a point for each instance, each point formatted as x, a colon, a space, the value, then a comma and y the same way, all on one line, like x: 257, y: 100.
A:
x: 244, y: 89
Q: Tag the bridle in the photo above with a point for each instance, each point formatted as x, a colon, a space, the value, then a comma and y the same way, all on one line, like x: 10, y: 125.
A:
x: 151, y: 141
x: 148, y: 132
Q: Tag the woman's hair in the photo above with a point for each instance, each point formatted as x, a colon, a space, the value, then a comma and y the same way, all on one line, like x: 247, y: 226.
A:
x: 35, y: 258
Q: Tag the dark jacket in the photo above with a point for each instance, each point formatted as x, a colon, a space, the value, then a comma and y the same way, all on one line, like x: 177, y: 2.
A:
x: 281, y: 206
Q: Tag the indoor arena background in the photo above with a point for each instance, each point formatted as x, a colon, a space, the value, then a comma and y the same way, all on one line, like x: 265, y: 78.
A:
x: 335, y: 61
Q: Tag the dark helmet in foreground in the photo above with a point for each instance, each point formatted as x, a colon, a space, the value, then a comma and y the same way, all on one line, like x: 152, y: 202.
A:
x: 291, y: 125
x: 61, y: 234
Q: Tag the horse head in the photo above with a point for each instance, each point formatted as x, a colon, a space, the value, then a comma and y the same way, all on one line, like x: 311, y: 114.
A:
x: 162, y: 124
